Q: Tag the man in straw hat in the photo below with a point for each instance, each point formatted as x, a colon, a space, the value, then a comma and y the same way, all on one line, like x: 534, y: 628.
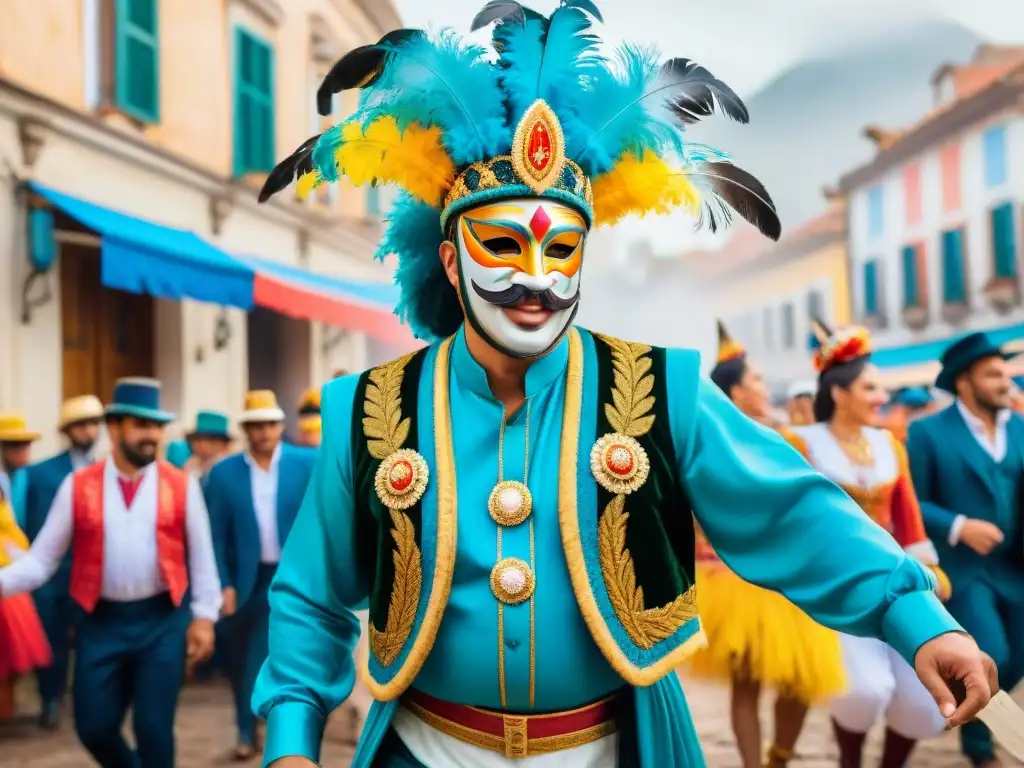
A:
x: 253, y: 498
x: 35, y: 487
x: 144, y: 574
x: 967, y: 462
x: 512, y: 502
x: 310, y: 425
x: 15, y: 448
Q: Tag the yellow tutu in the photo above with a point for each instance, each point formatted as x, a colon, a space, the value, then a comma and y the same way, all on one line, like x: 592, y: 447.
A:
x: 763, y: 635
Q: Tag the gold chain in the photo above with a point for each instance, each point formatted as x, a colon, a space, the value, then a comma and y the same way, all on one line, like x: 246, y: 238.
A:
x: 501, y: 606
x: 858, y: 450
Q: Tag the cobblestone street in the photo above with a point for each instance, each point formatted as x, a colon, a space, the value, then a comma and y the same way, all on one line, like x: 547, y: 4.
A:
x: 205, y: 731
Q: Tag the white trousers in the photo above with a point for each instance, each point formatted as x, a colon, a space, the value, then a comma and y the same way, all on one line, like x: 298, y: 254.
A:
x: 439, y: 750
x: 880, y: 683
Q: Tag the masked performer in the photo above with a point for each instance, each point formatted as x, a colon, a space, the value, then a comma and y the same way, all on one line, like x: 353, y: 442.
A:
x: 512, y: 502
x: 755, y: 637
x: 871, y: 465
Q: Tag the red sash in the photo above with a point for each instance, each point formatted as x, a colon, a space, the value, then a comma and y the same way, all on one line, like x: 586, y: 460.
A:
x: 87, y: 542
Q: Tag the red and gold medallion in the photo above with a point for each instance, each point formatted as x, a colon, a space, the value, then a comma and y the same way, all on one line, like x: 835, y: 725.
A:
x: 401, y: 479
x: 512, y: 580
x: 510, y: 503
x: 538, y: 147
x: 619, y: 463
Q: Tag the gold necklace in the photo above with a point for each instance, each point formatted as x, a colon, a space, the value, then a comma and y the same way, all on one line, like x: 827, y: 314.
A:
x: 512, y: 579
x: 858, y: 450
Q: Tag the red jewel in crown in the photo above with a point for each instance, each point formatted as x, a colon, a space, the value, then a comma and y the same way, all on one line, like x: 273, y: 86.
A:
x: 619, y: 463
x: 401, y: 479
x: 538, y: 147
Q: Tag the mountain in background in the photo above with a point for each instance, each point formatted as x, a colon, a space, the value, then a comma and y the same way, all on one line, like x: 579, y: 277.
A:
x: 806, y: 125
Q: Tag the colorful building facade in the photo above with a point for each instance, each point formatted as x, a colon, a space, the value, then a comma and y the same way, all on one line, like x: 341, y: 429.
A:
x: 935, y: 219
x: 766, y: 293
x: 136, y: 134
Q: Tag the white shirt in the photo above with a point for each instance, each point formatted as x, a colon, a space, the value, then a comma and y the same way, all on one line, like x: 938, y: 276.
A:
x: 995, y: 447
x: 263, y: 483
x: 131, y: 569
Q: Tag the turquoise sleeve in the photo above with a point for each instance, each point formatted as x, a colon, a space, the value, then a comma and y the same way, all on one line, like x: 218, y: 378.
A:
x: 310, y: 669
x: 781, y: 525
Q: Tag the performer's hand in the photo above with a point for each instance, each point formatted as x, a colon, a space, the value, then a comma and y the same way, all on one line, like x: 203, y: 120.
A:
x: 229, y: 602
x: 981, y: 535
x: 199, y: 641
x: 954, y: 661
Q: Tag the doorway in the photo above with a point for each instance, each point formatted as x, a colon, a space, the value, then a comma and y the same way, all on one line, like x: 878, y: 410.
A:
x: 279, y: 359
x: 106, y: 334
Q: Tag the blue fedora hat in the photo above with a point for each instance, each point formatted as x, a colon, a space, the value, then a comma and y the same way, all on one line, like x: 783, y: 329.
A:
x: 138, y: 397
x: 212, y: 424
x: 912, y: 397
x: 962, y: 354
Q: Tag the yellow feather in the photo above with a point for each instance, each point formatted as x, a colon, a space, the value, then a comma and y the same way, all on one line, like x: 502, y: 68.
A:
x: 641, y: 186
x: 307, y: 183
x: 414, y: 159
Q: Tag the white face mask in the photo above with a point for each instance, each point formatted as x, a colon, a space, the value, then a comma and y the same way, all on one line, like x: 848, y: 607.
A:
x: 519, y: 264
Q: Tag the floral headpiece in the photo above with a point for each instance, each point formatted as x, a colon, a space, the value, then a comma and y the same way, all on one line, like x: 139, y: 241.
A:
x: 455, y: 125
x: 843, y: 346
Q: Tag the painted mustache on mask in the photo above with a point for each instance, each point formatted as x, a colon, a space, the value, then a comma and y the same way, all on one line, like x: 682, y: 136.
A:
x: 516, y: 293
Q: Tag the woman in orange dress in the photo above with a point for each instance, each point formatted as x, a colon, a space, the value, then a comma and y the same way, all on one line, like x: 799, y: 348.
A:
x: 23, y: 644
x: 758, y: 638
x: 870, y: 464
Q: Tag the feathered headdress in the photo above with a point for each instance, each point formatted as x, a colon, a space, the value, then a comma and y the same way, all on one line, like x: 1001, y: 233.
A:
x: 838, y: 347
x: 550, y: 117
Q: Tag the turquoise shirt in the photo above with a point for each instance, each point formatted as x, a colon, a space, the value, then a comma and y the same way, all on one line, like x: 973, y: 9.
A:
x: 771, y: 518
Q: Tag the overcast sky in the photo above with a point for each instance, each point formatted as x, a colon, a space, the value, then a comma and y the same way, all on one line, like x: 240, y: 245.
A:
x: 747, y: 42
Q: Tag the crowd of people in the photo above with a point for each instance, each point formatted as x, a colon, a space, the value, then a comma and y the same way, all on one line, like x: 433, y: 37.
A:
x: 144, y: 563
x: 944, y: 481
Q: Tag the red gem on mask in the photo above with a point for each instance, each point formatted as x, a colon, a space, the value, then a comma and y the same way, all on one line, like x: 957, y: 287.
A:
x: 540, y: 223
x: 538, y: 150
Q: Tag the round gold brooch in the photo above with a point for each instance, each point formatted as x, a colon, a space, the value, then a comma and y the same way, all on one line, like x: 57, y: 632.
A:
x: 401, y: 479
x: 619, y: 463
x: 510, y: 503
x: 512, y: 581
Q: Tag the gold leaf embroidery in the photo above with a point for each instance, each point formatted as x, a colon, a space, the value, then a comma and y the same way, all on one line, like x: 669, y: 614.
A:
x: 645, y: 626
x: 629, y: 413
x: 383, y: 425
x: 386, y: 432
x: 405, y: 592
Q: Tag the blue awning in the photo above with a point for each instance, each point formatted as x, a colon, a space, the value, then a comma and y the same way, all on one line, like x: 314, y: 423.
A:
x: 930, y: 351
x: 143, y: 257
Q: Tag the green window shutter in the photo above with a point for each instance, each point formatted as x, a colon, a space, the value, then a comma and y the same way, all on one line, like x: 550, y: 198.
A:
x: 254, y: 104
x: 871, y: 287
x: 1004, y: 246
x: 911, y: 280
x: 954, y: 286
x: 137, y: 59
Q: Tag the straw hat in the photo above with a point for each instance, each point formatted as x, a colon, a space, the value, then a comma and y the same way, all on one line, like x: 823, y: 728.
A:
x: 14, y: 429
x: 261, y: 406
x: 309, y: 403
x: 75, y: 410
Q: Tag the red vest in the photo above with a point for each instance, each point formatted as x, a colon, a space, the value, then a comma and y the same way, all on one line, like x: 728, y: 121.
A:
x: 87, y: 541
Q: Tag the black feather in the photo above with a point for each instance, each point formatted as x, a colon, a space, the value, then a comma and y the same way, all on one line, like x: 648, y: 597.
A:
x: 745, y: 195
x: 694, y: 95
x: 288, y: 170
x: 588, y: 6
x: 498, y: 10
x: 359, y: 68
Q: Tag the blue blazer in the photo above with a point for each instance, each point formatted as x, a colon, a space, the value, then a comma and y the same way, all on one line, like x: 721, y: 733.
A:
x: 34, y: 489
x: 236, y: 536
x: 952, y: 476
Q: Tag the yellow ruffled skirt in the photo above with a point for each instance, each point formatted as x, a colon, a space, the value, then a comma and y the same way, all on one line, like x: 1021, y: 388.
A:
x: 761, y: 635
